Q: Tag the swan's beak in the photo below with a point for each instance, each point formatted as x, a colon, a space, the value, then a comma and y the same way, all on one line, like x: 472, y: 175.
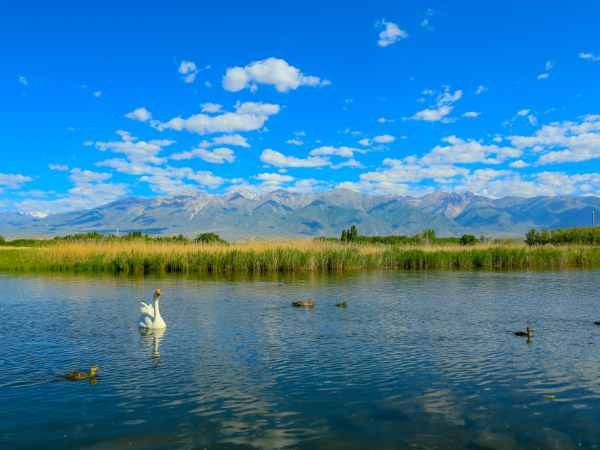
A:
x: 158, y: 292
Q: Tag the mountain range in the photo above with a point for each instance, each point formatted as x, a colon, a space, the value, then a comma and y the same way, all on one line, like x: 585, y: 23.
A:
x: 239, y: 215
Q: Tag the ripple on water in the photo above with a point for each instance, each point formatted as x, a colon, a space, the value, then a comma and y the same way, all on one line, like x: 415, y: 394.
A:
x: 417, y: 360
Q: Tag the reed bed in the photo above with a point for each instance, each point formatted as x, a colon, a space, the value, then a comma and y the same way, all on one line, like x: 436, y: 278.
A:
x: 285, y: 255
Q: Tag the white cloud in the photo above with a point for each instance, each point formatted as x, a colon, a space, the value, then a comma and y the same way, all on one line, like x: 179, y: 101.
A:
x: 186, y: 67
x: 480, y: 89
x: 424, y: 23
x: 217, y: 156
x: 249, y: 116
x: 433, y: 115
x: 589, y: 56
x: 365, y: 142
x: 265, y: 109
x: 207, y: 84
x: 349, y: 163
x: 581, y: 141
x: 542, y: 76
x: 13, y: 181
x: 138, y: 152
x: 498, y: 139
x: 469, y: 151
x: 23, y: 80
x: 211, y: 107
x: 126, y: 136
x: 471, y: 114
x: 519, y: 164
x: 299, y: 133
x: 273, y: 178
x: 532, y: 119
x: 390, y: 34
x: 549, y: 65
x: 383, y: 120
x: 97, y: 94
x: 140, y: 114
x: 59, y: 167
x: 226, y: 139
x: 345, y: 152
x: 189, y: 78
x: 446, y: 97
x: 428, y: 92
x: 294, y: 141
x: 523, y: 112
x: 86, y: 143
x: 277, y: 159
x: 384, y: 139
x: 272, y: 71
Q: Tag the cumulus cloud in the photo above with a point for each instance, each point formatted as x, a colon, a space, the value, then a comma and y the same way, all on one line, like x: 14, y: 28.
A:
x: 217, y: 156
x: 549, y: 65
x: 97, y: 94
x: 249, y: 116
x: 22, y: 80
x: 384, y: 139
x: 542, y: 76
x: 299, y: 133
x: 390, y: 34
x: 273, y: 178
x: 294, y: 141
x: 384, y: 120
x: 138, y: 152
x: 480, y: 89
x: 471, y: 114
x: 13, y: 181
x: 350, y: 163
x: 211, y: 107
x: 523, y: 112
x: 271, y: 71
x: 589, y: 56
x: 59, y: 167
x: 365, y: 142
x: 469, y: 151
x: 226, y: 139
x: 519, y: 164
x: 346, y: 152
x: 277, y: 159
x: 140, y: 114
x: 444, y: 99
x: 190, y: 71
x: 580, y: 141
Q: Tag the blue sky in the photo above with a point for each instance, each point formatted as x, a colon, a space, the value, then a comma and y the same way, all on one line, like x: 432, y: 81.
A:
x: 153, y: 98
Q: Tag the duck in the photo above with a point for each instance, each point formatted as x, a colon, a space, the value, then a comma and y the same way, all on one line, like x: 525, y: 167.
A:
x: 150, y: 317
x: 523, y: 333
x: 597, y: 322
x: 82, y: 375
x: 342, y: 304
x: 303, y: 303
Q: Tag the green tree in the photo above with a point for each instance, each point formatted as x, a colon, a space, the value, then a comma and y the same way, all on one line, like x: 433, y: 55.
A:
x: 468, y: 239
x: 353, y: 233
x: 344, y: 237
x: 208, y: 238
x: 2, y: 240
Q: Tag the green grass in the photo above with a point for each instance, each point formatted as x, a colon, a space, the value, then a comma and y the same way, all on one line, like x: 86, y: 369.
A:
x: 291, y: 259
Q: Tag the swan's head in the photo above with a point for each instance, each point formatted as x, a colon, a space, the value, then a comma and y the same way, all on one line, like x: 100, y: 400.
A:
x: 94, y: 368
x: 157, y: 293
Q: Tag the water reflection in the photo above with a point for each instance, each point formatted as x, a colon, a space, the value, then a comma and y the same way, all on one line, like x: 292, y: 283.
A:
x: 152, y: 338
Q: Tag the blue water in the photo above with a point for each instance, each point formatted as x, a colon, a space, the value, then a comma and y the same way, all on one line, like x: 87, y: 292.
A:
x: 418, y: 359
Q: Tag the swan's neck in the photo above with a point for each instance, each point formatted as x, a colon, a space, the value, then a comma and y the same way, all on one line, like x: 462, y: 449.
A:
x: 157, y: 319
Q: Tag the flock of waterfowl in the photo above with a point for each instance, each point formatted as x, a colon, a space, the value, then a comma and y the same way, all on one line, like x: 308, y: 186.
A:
x: 150, y: 319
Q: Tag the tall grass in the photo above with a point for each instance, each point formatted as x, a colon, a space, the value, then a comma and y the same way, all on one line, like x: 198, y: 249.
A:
x: 278, y: 255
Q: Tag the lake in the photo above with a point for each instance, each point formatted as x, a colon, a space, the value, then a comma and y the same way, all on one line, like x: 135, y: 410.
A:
x: 418, y: 360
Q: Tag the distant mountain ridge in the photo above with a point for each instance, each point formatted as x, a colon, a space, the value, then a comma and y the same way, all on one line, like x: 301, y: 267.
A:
x: 239, y: 214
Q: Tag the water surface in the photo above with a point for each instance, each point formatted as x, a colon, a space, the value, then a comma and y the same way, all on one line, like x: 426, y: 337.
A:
x: 418, y: 359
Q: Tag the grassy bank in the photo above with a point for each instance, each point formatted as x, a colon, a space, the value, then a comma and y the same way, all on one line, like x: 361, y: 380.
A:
x: 143, y: 256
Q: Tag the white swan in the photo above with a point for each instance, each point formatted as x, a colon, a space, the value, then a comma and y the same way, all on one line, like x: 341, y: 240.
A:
x: 150, y: 317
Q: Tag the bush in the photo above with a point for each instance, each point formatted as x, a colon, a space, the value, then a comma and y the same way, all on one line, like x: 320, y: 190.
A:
x: 2, y: 241
x: 574, y: 235
x: 209, y: 237
x: 468, y: 239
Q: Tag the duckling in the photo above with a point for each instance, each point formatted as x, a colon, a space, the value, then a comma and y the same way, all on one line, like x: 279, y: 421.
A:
x: 597, y: 322
x: 523, y: 333
x: 342, y: 304
x: 303, y: 303
x: 82, y: 375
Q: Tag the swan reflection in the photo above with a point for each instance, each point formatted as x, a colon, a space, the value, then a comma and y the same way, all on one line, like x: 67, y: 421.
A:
x: 152, y: 337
